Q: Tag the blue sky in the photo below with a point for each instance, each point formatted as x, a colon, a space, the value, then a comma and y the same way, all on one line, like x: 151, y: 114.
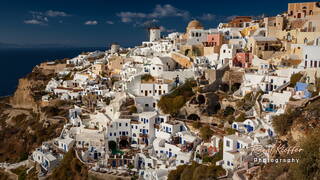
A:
x: 101, y: 22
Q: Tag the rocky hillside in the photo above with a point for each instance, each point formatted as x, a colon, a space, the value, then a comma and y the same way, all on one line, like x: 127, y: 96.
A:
x: 25, y: 122
x: 298, y: 127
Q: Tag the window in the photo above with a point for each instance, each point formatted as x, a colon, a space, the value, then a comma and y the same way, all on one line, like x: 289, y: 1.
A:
x: 120, y: 124
x: 126, y: 124
x: 110, y: 134
x: 228, y: 143
x: 306, y: 57
x: 114, y: 134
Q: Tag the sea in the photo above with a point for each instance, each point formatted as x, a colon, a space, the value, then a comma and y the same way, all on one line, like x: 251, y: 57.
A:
x: 15, y: 63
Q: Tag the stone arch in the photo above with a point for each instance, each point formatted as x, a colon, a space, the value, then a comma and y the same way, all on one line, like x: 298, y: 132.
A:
x: 123, y: 143
x: 201, y: 99
x: 235, y: 86
x: 194, y: 117
x: 187, y: 52
x: 228, y: 111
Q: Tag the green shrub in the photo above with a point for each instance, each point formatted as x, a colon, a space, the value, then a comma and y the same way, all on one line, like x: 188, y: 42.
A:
x: 173, y: 102
x: 206, y: 132
x: 196, y: 124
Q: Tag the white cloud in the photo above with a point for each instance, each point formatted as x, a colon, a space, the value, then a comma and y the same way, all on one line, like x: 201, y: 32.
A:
x: 129, y: 16
x: 168, y: 11
x: 207, y: 17
x: 110, y: 22
x: 32, y: 21
x: 52, y: 13
x: 158, y: 12
x: 43, y: 17
x: 163, y: 29
x: 91, y: 22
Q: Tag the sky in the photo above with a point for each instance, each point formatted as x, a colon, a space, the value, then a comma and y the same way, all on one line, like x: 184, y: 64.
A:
x: 98, y: 23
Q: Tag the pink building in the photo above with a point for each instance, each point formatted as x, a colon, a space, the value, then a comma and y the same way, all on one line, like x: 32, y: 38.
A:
x: 213, y: 40
x: 243, y: 59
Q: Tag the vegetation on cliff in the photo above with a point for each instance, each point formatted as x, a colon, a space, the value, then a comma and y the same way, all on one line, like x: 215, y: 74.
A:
x: 173, y: 102
x: 69, y: 168
x: 308, y: 167
x: 196, y: 171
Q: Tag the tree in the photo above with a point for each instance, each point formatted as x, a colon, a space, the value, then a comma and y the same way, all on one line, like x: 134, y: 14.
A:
x: 241, y: 117
x: 206, y: 132
x: 90, y: 101
x: 294, y: 79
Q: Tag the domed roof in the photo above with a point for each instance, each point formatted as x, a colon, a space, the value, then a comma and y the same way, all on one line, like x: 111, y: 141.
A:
x: 194, y: 24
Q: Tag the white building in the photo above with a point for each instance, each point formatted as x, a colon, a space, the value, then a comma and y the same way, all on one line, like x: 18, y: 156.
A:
x: 46, y: 160
x: 233, y: 147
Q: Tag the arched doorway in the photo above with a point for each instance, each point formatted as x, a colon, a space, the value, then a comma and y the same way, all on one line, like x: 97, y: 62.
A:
x: 201, y: 99
x: 123, y: 144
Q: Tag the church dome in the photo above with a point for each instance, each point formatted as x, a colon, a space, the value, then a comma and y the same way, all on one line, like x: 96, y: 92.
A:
x: 194, y: 24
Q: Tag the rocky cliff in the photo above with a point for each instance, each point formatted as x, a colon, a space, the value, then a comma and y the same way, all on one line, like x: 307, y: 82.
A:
x: 30, y: 89
x: 24, y: 122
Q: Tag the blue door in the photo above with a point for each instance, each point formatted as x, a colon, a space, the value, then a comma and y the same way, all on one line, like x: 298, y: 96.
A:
x: 170, y: 154
x: 238, y: 145
x: 114, y: 164
x: 249, y: 128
